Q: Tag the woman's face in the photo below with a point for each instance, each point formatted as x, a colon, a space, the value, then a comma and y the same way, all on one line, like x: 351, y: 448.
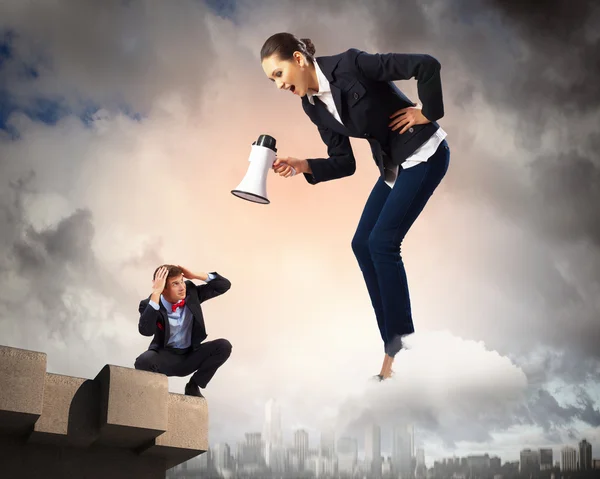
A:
x: 292, y: 75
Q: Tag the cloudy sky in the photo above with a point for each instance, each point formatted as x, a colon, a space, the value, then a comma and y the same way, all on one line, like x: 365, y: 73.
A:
x: 125, y: 124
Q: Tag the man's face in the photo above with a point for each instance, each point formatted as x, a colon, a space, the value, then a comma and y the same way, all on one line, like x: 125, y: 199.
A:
x: 174, y: 289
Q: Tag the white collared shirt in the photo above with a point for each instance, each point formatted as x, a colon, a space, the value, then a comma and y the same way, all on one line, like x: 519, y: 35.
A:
x: 423, y: 153
x: 324, y: 94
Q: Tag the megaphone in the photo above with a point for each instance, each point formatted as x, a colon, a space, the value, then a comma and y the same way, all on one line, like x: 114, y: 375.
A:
x: 254, y: 185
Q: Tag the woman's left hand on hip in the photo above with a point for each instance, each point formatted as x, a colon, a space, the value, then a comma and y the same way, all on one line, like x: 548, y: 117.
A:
x: 407, y: 117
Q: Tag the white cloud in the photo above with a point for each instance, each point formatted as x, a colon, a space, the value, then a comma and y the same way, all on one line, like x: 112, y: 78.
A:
x: 443, y: 383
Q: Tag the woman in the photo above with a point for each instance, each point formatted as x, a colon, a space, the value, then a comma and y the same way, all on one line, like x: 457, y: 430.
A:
x: 352, y: 95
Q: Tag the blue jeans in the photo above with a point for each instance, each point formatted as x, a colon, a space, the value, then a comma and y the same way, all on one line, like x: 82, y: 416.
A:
x: 386, y: 218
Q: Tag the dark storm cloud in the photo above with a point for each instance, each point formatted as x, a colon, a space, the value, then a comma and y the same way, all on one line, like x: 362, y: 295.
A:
x: 543, y: 409
x: 48, y: 258
x: 55, y: 262
x: 565, y: 57
x: 550, y: 85
x: 554, y: 89
x: 113, y: 54
x: 588, y: 412
x: 477, y: 422
x: 68, y: 244
x: 569, y: 184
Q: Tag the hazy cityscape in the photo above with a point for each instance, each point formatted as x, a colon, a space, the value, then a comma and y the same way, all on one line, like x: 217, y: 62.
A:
x: 266, y: 455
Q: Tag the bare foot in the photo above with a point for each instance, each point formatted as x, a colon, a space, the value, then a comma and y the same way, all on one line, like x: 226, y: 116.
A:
x: 384, y: 366
x: 386, y: 371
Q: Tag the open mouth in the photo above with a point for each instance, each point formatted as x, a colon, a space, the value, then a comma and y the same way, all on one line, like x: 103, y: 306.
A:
x: 293, y: 89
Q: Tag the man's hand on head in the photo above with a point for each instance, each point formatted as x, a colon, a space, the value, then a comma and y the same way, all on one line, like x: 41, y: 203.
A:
x: 158, y: 283
x: 160, y: 280
x: 189, y: 275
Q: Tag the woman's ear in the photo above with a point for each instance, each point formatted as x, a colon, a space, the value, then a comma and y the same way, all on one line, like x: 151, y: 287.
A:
x: 299, y: 58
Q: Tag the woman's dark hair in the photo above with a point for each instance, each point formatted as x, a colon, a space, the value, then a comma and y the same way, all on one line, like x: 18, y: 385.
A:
x: 284, y: 45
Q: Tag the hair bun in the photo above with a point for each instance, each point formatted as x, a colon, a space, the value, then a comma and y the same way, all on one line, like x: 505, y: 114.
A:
x: 310, y: 48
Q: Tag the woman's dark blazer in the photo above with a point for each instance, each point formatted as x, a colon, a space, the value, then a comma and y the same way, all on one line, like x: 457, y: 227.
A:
x: 365, y: 96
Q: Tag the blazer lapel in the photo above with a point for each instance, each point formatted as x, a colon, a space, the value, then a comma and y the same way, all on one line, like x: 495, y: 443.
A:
x: 337, y: 99
x: 192, y: 306
x: 328, y: 119
x: 328, y: 66
x: 198, y: 326
x: 163, y: 313
x: 193, y: 310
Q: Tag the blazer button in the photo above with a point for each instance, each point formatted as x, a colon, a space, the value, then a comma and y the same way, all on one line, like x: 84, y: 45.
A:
x: 410, y: 130
x: 356, y: 95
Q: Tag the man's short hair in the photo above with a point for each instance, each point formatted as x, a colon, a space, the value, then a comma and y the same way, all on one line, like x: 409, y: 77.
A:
x: 173, y: 271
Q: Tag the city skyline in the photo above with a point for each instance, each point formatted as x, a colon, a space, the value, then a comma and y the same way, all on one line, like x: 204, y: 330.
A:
x: 340, y: 454
x: 315, y: 440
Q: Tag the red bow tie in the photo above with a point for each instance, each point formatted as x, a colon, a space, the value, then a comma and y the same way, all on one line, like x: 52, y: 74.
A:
x: 180, y: 304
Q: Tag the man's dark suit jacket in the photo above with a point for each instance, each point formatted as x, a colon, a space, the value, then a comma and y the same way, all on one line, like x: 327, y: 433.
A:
x: 153, y: 322
x: 365, y: 96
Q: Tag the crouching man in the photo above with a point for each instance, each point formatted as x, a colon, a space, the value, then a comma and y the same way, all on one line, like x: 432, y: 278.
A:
x: 173, y: 315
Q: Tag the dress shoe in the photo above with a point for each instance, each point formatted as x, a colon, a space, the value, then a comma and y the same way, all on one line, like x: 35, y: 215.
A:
x: 191, y: 389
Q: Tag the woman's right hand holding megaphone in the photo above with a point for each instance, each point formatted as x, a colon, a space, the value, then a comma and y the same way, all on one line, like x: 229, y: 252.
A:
x: 287, y: 166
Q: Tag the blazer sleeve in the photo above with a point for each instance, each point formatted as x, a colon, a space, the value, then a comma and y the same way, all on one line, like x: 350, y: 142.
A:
x: 148, y: 318
x: 215, y: 287
x: 341, y: 160
x: 402, y: 66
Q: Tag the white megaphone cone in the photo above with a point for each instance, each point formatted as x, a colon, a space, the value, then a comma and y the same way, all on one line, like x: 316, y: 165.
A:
x: 254, y: 185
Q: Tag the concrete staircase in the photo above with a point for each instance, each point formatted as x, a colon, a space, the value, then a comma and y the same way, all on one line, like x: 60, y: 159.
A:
x: 123, y: 424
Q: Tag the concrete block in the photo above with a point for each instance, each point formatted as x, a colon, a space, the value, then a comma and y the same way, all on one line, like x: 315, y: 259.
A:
x: 71, y: 412
x: 187, y: 432
x: 22, y: 375
x: 133, y: 406
x: 123, y: 424
x: 36, y: 461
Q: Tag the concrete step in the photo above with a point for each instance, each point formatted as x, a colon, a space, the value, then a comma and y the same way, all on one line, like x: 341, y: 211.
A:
x: 123, y: 417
